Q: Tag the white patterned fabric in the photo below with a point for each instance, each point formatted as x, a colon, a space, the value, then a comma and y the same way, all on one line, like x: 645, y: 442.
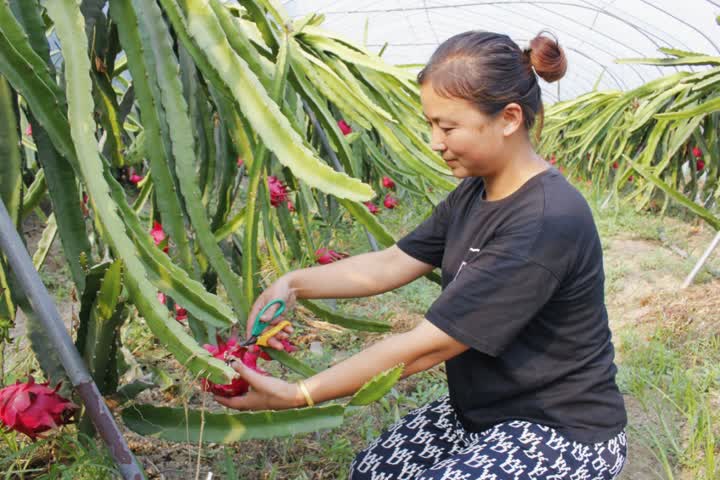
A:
x: 430, y: 444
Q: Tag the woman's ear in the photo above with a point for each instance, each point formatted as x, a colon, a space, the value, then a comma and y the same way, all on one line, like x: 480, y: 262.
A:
x: 512, y: 118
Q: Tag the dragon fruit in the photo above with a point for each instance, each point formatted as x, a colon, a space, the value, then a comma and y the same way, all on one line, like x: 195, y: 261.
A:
x: 323, y: 256
x: 83, y: 205
x: 388, y: 182
x: 231, y: 349
x: 390, y: 201
x: 135, y: 178
x: 344, y: 127
x: 278, y: 191
x: 697, y: 153
x: 372, y: 207
x: 33, y: 408
x: 180, y: 313
x: 159, y: 236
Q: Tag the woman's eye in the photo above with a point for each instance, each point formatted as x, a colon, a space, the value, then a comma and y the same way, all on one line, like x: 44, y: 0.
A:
x: 447, y: 129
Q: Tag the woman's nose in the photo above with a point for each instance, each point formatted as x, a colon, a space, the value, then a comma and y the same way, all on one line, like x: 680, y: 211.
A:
x: 437, y: 140
x: 438, y: 146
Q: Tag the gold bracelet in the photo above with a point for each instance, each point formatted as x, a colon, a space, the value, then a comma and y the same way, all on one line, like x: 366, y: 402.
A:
x: 306, y: 394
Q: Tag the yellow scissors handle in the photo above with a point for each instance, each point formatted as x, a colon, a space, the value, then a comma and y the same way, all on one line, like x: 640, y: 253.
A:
x: 263, y: 339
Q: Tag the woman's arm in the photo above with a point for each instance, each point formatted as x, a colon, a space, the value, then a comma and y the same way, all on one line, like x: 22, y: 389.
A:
x: 419, y: 349
x: 358, y: 276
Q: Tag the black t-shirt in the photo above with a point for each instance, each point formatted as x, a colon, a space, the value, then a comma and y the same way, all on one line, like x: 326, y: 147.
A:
x: 523, y: 287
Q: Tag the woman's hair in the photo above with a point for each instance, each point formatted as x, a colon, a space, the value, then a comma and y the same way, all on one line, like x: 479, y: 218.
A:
x: 490, y: 70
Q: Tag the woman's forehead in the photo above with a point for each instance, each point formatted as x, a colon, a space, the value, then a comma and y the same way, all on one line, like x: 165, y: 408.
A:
x: 439, y: 107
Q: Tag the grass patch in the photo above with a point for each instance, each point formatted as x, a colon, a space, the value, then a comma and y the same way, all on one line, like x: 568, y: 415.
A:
x: 675, y: 379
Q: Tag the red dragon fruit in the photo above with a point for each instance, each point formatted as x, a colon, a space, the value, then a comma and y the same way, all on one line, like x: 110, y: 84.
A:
x: 390, y: 201
x: 180, y: 313
x: 372, y: 207
x: 388, y: 182
x: 697, y: 153
x: 278, y: 191
x: 159, y: 236
x: 344, y: 127
x: 700, y: 165
x: 83, y: 205
x: 323, y: 256
x: 231, y: 349
x: 135, y: 178
x: 33, y: 408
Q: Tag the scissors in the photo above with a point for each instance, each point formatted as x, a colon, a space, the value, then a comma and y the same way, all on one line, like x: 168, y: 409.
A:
x: 256, y: 338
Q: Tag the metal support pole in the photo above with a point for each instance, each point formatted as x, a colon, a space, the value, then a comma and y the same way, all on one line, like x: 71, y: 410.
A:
x: 29, y: 279
x: 701, y: 262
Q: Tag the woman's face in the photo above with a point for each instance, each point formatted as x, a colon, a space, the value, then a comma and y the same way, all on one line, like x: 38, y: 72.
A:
x: 469, y: 141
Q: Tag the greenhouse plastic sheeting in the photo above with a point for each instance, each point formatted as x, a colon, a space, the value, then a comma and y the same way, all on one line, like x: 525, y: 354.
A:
x: 593, y: 32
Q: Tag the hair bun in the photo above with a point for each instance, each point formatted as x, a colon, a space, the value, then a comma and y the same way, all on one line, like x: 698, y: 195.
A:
x: 547, y: 57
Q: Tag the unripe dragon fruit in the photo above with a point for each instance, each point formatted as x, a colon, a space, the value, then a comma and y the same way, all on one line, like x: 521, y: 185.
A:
x: 33, y: 408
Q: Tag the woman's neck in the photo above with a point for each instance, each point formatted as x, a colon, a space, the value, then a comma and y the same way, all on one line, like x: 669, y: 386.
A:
x: 520, y: 168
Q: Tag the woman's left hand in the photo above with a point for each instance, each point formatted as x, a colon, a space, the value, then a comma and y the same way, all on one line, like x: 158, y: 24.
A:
x: 266, y: 393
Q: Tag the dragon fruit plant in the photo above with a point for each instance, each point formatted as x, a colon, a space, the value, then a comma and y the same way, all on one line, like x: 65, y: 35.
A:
x: 200, y: 127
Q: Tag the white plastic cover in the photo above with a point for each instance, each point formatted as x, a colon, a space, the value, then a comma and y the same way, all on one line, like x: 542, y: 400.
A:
x: 593, y: 32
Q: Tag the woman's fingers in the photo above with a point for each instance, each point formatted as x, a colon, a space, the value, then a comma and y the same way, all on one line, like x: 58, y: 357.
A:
x: 257, y: 381
x: 266, y: 392
x: 268, y: 315
x: 238, y: 403
x: 273, y: 342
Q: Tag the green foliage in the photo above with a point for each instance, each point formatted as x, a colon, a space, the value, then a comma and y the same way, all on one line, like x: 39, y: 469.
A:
x: 178, y: 424
x: 665, y: 131
x: 176, y: 91
x: 674, y: 379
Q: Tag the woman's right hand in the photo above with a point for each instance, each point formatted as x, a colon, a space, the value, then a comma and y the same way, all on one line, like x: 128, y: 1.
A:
x: 279, y: 290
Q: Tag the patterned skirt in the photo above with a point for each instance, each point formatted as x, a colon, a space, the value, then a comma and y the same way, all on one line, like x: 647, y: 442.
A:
x: 430, y: 443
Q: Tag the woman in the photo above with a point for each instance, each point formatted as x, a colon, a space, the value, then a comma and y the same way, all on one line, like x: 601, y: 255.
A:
x: 521, y: 321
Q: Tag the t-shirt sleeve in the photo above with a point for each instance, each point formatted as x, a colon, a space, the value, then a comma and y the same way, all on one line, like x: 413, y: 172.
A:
x: 427, y: 242
x: 491, y: 299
